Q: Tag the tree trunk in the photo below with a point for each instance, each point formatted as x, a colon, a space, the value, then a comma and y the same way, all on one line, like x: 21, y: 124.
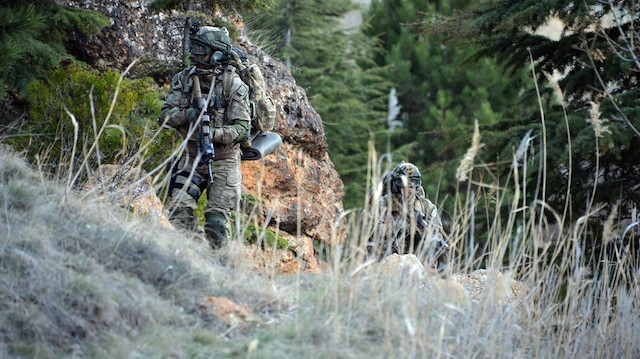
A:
x: 287, y: 33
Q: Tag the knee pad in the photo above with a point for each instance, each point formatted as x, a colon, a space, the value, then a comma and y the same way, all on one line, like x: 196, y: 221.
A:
x: 215, y: 226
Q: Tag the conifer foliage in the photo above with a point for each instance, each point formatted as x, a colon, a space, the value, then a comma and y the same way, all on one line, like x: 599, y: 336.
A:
x: 32, y: 33
x: 595, y: 62
x: 441, y: 92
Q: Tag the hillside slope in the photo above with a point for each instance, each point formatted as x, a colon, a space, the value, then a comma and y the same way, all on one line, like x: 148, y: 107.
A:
x: 82, y: 279
x: 85, y: 278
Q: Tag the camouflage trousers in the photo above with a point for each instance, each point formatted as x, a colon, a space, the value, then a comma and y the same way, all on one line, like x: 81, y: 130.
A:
x: 189, y: 179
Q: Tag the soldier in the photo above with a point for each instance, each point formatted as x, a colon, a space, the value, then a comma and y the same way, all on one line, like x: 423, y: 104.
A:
x: 407, y: 222
x: 216, y: 169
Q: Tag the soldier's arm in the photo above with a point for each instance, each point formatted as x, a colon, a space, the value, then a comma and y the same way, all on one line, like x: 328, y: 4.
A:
x: 431, y: 214
x: 174, y: 110
x: 238, y: 114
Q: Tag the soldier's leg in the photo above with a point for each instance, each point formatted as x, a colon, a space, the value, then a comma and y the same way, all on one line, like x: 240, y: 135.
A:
x: 223, y: 197
x: 185, y: 188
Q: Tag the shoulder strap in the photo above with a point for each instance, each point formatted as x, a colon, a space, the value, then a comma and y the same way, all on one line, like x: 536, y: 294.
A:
x: 187, y: 79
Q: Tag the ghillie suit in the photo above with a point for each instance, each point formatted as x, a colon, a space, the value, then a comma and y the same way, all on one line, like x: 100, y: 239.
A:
x: 405, y: 220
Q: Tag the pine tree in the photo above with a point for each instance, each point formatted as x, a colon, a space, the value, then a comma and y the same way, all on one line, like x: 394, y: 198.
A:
x: 441, y: 92
x: 596, y: 60
x: 31, y: 39
x: 335, y: 68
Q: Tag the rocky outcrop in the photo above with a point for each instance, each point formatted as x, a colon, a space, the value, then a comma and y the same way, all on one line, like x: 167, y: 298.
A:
x: 134, y: 33
x: 482, y: 285
x: 130, y: 188
x: 298, y: 181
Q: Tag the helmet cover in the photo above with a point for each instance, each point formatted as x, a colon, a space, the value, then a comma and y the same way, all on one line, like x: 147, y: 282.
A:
x: 406, y: 174
x: 206, y: 40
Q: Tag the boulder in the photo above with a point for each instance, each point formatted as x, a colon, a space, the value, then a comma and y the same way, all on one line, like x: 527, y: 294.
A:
x: 407, y: 269
x: 490, y: 285
x: 482, y: 285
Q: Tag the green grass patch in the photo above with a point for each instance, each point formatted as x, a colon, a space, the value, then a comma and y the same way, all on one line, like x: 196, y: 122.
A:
x: 253, y: 235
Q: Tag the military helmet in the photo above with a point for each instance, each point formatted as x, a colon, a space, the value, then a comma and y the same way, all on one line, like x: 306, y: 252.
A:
x: 209, y: 40
x: 405, y: 174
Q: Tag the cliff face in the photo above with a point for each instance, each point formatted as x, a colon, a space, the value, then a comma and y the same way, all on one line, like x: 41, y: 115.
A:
x: 298, y: 181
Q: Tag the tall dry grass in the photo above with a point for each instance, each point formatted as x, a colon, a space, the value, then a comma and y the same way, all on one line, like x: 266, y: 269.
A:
x: 80, y: 278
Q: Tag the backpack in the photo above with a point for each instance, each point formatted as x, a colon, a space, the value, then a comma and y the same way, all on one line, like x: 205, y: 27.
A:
x: 261, y: 141
x: 263, y: 110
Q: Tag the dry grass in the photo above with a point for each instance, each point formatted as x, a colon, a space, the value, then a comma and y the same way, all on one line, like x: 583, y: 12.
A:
x: 87, y: 280
x: 79, y: 278
x: 80, y: 275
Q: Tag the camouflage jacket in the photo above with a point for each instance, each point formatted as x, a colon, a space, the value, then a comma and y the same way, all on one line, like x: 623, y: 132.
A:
x: 230, y: 114
x: 404, y: 223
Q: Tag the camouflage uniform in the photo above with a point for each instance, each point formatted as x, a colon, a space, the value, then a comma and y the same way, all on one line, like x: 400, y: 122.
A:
x: 230, y: 124
x: 407, y: 222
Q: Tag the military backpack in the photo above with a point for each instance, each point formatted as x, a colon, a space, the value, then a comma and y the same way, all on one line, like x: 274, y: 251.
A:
x: 263, y: 110
x: 261, y: 141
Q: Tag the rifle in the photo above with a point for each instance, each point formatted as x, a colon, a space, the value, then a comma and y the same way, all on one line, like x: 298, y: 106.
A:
x: 205, y: 146
x: 439, y: 246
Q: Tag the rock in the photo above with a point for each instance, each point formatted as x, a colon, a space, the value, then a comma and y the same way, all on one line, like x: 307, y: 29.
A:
x: 490, y: 285
x: 300, y: 191
x: 408, y: 270
x: 225, y: 310
x: 450, y: 291
x: 300, y: 256
x: 403, y: 267
x: 134, y: 33
x: 130, y: 188
x: 461, y: 288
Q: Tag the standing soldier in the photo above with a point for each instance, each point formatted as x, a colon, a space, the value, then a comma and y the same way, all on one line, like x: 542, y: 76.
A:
x: 207, y: 105
x: 407, y: 222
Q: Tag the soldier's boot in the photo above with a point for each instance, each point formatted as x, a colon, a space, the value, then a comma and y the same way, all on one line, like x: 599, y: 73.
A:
x: 215, y: 226
x: 184, y: 218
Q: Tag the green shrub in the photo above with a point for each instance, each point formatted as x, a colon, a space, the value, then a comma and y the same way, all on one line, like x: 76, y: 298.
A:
x: 129, y: 133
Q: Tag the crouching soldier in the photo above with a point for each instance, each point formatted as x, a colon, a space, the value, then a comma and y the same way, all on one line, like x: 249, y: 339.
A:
x: 407, y: 222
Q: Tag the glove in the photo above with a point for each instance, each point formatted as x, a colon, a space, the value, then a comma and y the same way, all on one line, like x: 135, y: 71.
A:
x: 191, y: 115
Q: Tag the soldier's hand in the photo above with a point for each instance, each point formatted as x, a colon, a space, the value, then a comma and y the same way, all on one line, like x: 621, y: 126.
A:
x: 421, y: 221
x: 440, y: 247
x: 192, y: 115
